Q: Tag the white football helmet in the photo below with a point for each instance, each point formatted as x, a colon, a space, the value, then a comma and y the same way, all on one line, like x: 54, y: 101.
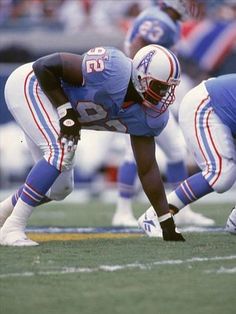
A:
x: 155, y: 74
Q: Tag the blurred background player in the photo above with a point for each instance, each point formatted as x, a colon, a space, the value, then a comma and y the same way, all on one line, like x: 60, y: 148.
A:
x: 157, y: 25
x: 218, y: 30
x: 231, y: 222
x: 54, y: 97
x: 207, y: 116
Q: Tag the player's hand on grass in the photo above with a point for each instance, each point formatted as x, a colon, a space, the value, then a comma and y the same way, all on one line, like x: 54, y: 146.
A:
x: 170, y: 232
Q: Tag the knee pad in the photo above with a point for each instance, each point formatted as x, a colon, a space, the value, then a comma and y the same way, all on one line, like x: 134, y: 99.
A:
x: 62, y: 187
x: 61, y: 193
x: 226, y: 179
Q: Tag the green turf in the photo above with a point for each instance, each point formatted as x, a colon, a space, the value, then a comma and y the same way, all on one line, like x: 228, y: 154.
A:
x: 100, y: 214
x: 146, y: 284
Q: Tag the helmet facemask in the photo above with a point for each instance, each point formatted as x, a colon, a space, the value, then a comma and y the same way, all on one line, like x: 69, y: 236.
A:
x: 158, y: 95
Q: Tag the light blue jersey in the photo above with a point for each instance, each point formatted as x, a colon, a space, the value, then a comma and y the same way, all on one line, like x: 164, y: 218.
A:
x: 155, y: 27
x: 100, y: 101
x: 222, y: 91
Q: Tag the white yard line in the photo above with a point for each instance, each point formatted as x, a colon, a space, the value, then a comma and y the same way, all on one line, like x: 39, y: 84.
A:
x: 94, y: 230
x: 113, y: 268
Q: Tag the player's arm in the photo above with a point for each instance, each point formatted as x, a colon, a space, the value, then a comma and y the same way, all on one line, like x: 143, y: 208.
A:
x: 149, y: 174
x: 50, y: 71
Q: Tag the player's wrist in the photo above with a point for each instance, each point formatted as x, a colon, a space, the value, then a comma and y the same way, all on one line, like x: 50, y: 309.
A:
x: 62, y: 110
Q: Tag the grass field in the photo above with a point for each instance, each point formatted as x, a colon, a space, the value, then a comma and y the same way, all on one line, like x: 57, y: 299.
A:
x: 109, y: 272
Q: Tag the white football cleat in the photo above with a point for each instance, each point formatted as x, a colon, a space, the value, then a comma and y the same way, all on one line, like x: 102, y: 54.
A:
x: 186, y: 216
x: 149, y: 223
x: 231, y: 222
x: 15, y: 238
x: 124, y: 220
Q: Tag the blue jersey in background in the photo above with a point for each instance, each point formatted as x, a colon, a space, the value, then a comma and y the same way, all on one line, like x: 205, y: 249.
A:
x: 155, y: 27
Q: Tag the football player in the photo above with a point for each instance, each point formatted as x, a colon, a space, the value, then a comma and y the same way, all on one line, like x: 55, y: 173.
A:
x: 156, y: 25
x: 207, y: 117
x: 54, y: 97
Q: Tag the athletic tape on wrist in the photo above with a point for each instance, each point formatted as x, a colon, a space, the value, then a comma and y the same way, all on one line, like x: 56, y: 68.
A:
x: 164, y: 217
x: 62, y: 110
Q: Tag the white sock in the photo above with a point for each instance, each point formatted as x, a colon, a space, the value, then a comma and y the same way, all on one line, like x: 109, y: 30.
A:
x: 164, y: 217
x: 124, y: 206
x: 173, y: 199
x: 19, y: 217
x: 6, y: 208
